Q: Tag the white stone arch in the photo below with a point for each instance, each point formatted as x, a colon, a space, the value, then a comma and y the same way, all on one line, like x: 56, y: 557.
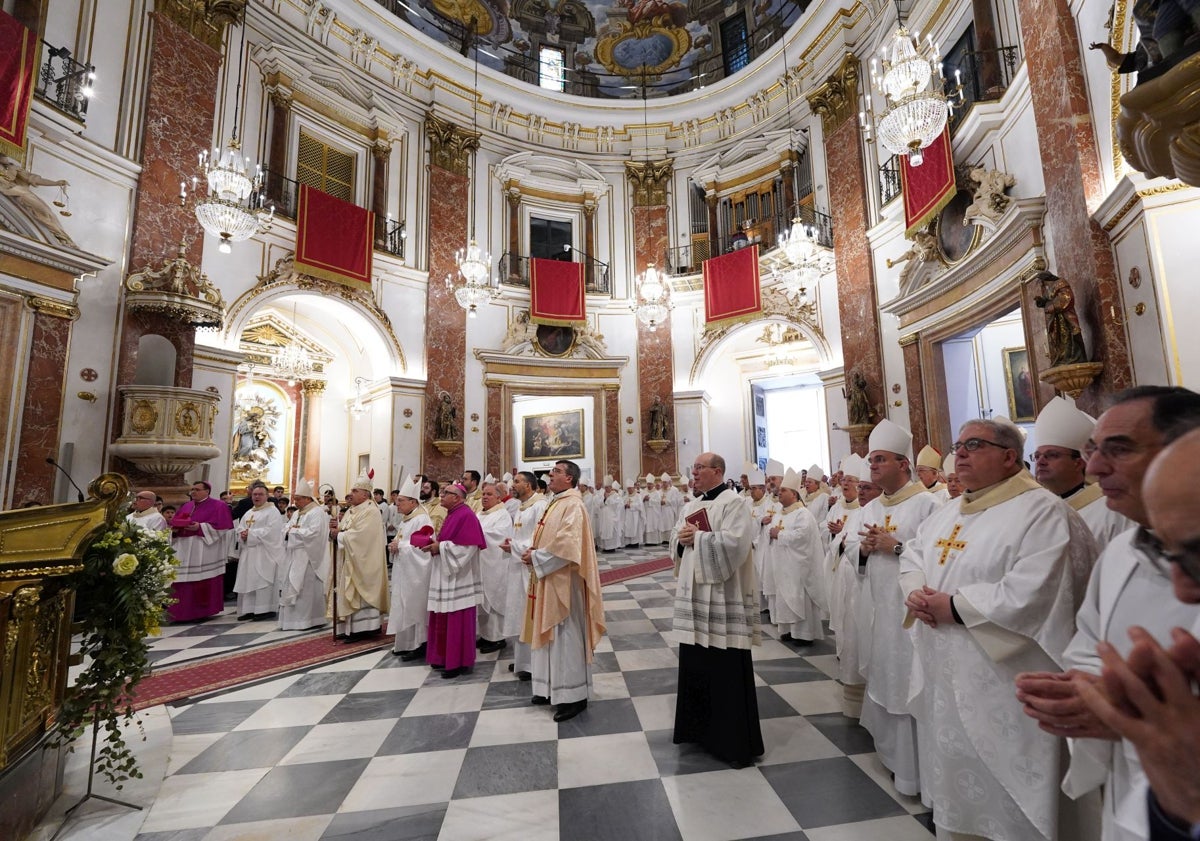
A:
x: 713, y: 348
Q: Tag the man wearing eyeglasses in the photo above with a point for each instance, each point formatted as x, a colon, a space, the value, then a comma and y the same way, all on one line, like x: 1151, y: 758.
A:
x: 717, y: 619
x: 1131, y: 585
x: 1062, y: 433
x: 886, y: 652
x: 994, y: 579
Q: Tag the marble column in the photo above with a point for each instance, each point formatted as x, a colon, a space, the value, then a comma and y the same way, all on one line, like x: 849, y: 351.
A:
x: 450, y: 149
x: 513, y: 196
x: 836, y: 101
x: 612, y: 433
x: 1074, y: 187
x: 714, y: 225
x: 381, y: 157
x: 987, y: 54
x: 310, y: 457
x: 917, y: 421
x: 45, y: 388
x: 493, y: 427
x: 276, y: 163
x: 656, y: 377
x: 589, y: 242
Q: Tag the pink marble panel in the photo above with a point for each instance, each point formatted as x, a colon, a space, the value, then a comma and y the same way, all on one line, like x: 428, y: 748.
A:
x: 613, y: 428
x: 445, y: 320
x: 656, y: 376
x: 855, y: 275
x: 1074, y: 186
x: 917, y: 417
x: 495, y: 432
x: 33, y: 478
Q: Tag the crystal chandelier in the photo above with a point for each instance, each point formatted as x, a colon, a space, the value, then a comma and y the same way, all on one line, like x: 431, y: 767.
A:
x: 798, y: 242
x: 292, y: 363
x: 911, y: 84
x: 358, y: 408
x: 474, y: 263
x: 232, y: 210
x: 652, y: 301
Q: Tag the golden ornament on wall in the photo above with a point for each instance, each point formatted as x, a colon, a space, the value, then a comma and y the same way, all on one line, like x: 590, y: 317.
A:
x: 408, y: 413
x: 187, y: 420
x: 144, y: 417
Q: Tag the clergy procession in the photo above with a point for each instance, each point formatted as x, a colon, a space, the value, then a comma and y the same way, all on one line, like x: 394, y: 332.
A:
x: 1015, y: 630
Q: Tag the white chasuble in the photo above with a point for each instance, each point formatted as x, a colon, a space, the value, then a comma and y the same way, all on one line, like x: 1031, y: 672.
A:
x: 795, y: 557
x: 260, y: 567
x: 1015, y: 559
x: 307, y: 563
x: 409, y: 614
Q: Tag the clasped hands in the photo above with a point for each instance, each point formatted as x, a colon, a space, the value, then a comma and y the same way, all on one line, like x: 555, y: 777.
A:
x: 930, y: 606
x: 877, y: 539
x: 687, y: 535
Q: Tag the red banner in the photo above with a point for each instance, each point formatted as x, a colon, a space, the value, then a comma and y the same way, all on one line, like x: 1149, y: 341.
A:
x: 929, y: 187
x: 731, y: 286
x: 556, y: 294
x: 334, y: 238
x: 18, y: 66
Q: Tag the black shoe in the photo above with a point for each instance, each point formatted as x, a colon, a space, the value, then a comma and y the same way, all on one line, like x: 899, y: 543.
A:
x: 524, y: 676
x: 785, y: 638
x: 261, y: 617
x: 453, y: 673
x: 801, y: 643
x: 362, y: 635
x: 245, y: 617
x: 415, y: 654
x: 566, y: 712
x: 539, y: 701
x: 487, y: 646
x: 511, y: 667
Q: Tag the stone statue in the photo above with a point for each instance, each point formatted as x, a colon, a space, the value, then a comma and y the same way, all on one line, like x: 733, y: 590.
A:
x: 923, y: 250
x: 858, y: 404
x: 1062, y: 323
x: 990, y: 201
x: 17, y: 184
x: 1167, y: 33
x: 658, y: 420
x: 446, y: 427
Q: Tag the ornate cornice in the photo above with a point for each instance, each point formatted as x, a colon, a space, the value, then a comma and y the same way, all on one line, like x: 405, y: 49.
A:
x: 450, y: 147
x: 54, y: 308
x: 837, y: 99
x: 649, y: 180
x: 205, y: 20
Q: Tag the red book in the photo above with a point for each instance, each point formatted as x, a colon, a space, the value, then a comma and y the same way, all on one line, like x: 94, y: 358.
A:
x: 699, y: 519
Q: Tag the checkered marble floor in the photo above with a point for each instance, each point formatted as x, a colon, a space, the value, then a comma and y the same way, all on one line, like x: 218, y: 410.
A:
x: 374, y: 748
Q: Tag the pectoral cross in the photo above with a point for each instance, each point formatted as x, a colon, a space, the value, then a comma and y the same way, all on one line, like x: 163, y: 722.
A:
x: 887, y: 524
x: 946, y: 544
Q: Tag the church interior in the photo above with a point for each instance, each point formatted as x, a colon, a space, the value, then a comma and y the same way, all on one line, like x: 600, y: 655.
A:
x: 177, y: 310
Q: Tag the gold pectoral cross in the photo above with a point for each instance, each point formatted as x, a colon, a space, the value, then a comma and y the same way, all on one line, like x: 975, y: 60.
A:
x: 946, y: 544
x: 887, y: 524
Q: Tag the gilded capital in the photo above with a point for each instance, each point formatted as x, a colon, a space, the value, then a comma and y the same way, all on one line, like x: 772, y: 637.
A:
x: 205, y: 20
x: 313, y: 388
x: 837, y: 99
x: 450, y: 147
x: 649, y: 180
x: 280, y: 98
x: 57, y: 309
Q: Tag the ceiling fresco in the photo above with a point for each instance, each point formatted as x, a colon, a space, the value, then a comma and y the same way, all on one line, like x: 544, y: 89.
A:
x: 610, y: 50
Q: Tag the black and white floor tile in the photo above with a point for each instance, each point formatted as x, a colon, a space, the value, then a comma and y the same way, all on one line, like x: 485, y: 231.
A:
x: 374, y: 749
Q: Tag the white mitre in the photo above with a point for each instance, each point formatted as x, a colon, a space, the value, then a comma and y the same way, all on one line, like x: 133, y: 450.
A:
x: 305, y: 488
x: 855, y: 467
x: 791, y: 479
x: 948, y: 466
x: 774, y: 468
x: 665, y: 477
x: 816, y: 473
x: 363, y: 482
x: 1062, y: 425
x: 756, y: 477
x: 929, y: 457
x: 891, y: 438
x: 411, y: 488
x: 649, y: 478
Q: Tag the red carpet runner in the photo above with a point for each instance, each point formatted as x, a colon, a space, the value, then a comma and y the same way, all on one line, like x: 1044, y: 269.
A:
x: 173, y: 683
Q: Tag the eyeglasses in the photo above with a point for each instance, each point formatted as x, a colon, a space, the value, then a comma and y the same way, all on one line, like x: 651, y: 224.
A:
x: 1187, y: 555
x: 698, y: 467
x: 1113, y: 449
x: 973, y: 444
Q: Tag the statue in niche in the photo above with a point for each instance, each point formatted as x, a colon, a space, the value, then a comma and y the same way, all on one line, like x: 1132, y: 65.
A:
x: 1167, y: 33
x: 1062, y: 323
x: 858, y: 403
x: 659, y: 426
x: 446, y: 426
x: 17, y: 183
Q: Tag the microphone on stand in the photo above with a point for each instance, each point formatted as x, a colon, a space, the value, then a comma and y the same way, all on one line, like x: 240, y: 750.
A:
x: 68, y: 475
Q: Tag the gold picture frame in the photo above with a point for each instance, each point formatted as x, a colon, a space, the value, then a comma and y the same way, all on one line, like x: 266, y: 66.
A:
x: 552, y: 435
x: 1018, y: 382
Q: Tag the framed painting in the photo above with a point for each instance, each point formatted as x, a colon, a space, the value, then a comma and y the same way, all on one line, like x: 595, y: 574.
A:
x: 1019, y: 384
x: 552, y: 435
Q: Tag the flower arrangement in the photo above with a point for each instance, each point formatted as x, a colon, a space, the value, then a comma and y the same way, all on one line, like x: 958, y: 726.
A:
x: 122, y: 594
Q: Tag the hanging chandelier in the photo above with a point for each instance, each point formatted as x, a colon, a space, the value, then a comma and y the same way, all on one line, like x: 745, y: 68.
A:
x: 292, y: 362
x: 358, y: 408
x: 912, y: 86
x: 652, y: 300
x: 474, y: 263
x: 232, y: 210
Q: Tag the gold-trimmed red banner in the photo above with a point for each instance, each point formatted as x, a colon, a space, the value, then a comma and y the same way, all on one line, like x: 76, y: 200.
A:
x: 929, y: 187
x: 18, y: 69
x: 556, y: 293
x: 334, y: 238
x: 732, y: 291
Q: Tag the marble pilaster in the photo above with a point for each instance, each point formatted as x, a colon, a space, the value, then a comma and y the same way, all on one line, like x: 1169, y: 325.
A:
x: 494, y: 432
x: 381, y: 156
x: 612, y: 434
x: 917, y: 421
x: 445, y: 320
x: 45, y: 387
x: 1074, y: 186
x: 837, y: 103
x: 310, y: 460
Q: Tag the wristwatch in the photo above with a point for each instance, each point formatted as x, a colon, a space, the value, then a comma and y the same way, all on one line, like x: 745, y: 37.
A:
x: 897, y: 549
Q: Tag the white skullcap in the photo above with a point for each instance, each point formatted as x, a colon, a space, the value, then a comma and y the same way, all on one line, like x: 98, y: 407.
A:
x: 791, y: 479
x: 411, y: 488
x: 929, y: 457
x: 1062, y: 425
x: 774, y: 468
x: 305, y: 488
x: 891, y: 438
x: 756, y: 476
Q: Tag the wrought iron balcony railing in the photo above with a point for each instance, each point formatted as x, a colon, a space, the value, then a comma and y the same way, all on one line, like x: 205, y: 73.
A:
x: 514, y: 271
x: 889, y: 180
x: 986, y: 75
x: 64, y: 82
